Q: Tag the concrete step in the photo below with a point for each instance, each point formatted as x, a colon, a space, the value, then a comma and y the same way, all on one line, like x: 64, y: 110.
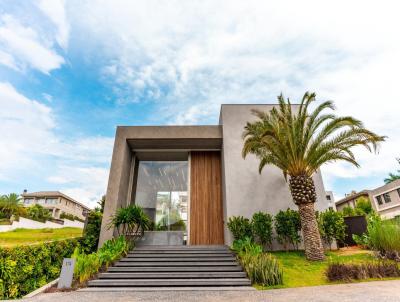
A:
x: 166, y: 289
x: 170, y: 282
x: 176, y: 263
x: 176, y: 259
x: 172, y: 275
x: 119, y: 269
x: 179, y: 252
x: 181, y: 248
x: 179, y: 255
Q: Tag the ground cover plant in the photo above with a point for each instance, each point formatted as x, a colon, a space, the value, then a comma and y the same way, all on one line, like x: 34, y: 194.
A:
x: 26, y: 268
x: 298, y: 271
x: 30, y: 236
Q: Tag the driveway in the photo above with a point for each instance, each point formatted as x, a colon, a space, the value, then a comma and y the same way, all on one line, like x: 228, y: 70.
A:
x: 378, y: 291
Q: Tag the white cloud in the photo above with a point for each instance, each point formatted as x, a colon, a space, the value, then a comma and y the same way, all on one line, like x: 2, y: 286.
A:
x: 31, y: 151
x: 55, y: 11
x: 188, y: 58
x: 85, y: 184
x: 22, y: 46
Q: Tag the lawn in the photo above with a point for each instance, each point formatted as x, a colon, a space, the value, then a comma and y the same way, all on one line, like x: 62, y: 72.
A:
x: 297, y: 271
x: 29, y: 236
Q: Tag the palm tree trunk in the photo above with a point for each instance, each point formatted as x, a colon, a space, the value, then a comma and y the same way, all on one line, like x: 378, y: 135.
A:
x: 303, y: 192
x: 312, y: 240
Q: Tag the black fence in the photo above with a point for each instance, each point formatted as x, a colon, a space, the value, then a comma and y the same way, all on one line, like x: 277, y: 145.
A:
x: 354, y: 225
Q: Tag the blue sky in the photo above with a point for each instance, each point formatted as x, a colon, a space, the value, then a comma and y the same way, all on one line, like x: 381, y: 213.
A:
x: 70, y: 71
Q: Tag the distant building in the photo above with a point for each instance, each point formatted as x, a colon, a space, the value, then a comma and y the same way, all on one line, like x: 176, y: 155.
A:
x: 331, y: 200
x: 385, y: 199
x: 56, y: 202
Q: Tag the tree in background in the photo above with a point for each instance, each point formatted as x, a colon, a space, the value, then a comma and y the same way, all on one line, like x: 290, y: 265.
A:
x: 38, y: 213
x: 10, y: 205
x: 300, y: 142
x: 91, y: 233
x: 393, y: 176
x: 363, y: 207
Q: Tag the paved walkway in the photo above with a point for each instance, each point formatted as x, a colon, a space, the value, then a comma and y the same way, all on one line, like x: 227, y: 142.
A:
x: 378, y: 291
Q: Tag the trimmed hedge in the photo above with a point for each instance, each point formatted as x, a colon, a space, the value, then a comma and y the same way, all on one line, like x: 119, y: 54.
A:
x: 26, y: 268
x: 349, y: 272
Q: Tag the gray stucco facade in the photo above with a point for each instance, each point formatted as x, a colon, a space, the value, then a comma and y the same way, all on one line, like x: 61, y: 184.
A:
x: 244, y: 190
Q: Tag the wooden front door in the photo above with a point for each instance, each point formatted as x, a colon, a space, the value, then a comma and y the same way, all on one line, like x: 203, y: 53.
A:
x: 206, y: 214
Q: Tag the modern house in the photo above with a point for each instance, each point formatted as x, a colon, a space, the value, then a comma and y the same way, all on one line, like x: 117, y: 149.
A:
x: 56, y: 202
x: 385, y: 199
x: 193, y: 178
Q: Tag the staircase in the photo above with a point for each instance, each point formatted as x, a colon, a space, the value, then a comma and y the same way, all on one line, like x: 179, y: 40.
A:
x: 174, y: 267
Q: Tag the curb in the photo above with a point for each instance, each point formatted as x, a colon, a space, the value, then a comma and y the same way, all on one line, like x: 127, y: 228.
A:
x: 41, y: 289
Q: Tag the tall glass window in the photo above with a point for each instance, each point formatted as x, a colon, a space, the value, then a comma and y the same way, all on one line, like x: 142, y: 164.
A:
x: 162, y: 192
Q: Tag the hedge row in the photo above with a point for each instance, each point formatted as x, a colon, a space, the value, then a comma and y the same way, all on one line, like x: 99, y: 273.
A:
x: 26, y: 268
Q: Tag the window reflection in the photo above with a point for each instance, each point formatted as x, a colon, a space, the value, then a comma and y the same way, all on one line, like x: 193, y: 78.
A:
x: 161, y: 191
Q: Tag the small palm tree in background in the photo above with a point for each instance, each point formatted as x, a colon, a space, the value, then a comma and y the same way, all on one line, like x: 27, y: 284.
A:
x: 10, y: 205
x: 393, y: 176
x: 298, y: 143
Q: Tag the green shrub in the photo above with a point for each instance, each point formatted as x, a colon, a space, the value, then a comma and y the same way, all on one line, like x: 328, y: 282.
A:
x: 246, y: 246
x: 38, y: 213
x: 261, y: 224
x: 262, y: 268
x: 26, y: 268
x: 88, y: 265
x: 130, y: 220
x: 91, y: 233
x: 384, y: 237
x: 287, y: 227
x: 349, y: 272
x: 240, y: 227
x: 331, y: 226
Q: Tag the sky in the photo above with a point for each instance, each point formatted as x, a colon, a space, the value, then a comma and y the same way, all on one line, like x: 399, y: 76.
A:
x: 71, y: 71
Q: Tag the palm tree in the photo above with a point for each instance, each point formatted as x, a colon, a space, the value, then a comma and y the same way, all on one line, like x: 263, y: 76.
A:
x: 392, y: 176
x: 10, y: 204
x: 299, y: 143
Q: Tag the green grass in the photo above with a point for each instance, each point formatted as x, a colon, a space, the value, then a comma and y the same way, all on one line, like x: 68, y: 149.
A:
x: 29, y: 236
x: 297, y: 271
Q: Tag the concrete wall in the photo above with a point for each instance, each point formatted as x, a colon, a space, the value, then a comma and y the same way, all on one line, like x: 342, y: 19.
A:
x: 245, y: 190
x: 25, y: 223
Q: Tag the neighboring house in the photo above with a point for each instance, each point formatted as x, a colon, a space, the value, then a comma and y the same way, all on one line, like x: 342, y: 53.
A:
x: 385, y: 199
x: 56, y: 202
x: 195, y: 176
x: 331, y: 200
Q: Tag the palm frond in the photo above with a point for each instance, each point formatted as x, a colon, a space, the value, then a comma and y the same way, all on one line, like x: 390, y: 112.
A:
x: 300, y: 141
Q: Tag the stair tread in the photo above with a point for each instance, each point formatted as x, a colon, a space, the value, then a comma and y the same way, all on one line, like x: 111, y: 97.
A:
x: 177, y: 275
x: 170, y: 282
x: 181, y: 255
x: 176, y: 259
x: 175, y: 269
x: 176, y: 263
